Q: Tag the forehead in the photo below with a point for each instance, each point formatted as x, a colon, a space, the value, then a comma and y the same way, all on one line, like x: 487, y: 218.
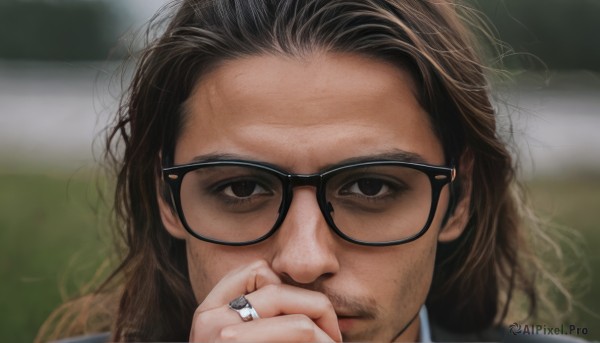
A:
x: 326, y: 107
x: 255, y: 80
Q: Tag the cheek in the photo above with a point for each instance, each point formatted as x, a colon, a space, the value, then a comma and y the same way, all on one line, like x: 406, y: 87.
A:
x: 410, y: 279
x: 420, y: 271
x: 208, y: 263
x: 201, y: 279
x: 414, y: 275
x: 205, y: 267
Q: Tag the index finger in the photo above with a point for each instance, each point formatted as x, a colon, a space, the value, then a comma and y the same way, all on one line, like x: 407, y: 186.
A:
x: 240, y: 281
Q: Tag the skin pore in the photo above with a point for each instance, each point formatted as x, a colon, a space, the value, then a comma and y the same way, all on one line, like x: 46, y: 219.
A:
x: 303, y: 114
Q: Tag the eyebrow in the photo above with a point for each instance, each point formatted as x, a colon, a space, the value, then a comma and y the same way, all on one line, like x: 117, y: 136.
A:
x: 215, y: 157
x: 393, y: 155
x: 390, y: 155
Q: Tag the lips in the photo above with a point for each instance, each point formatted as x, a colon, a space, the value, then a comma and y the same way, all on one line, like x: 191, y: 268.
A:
x: 344, y: 313
x: 345, y: 316
x: 347, y: 322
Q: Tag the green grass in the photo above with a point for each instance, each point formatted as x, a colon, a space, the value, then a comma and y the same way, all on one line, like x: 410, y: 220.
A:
x: 574, y: 203
x: 49, y: 240
x: 49, y: 243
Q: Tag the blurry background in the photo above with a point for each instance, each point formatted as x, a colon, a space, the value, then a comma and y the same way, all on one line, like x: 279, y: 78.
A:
x: 58, y: 89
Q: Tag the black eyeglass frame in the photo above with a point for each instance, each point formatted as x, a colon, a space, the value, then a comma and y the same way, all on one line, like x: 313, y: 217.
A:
x: 439, y: 176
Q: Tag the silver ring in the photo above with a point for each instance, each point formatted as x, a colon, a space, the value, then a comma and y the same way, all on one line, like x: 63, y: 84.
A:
x: 243, y: 308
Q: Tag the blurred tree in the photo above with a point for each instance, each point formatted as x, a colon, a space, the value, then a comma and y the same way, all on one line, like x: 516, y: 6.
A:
x: 562, y: 34
x: 56, y: 30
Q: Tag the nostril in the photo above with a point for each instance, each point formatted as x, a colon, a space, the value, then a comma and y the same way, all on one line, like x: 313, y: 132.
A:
x: 315, y: 285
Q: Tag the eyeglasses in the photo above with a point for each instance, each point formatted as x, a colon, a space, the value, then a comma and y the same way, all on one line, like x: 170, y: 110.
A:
x: 374, y: 203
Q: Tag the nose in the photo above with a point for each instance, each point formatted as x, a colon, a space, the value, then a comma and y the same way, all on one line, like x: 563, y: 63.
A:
x: 304, y: 245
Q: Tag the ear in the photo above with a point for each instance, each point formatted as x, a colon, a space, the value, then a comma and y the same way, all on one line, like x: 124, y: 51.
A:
x: 457, y: 222
x: 168, y: 214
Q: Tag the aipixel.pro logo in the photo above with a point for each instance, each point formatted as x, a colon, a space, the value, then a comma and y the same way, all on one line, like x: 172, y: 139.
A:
x: 530, y: 329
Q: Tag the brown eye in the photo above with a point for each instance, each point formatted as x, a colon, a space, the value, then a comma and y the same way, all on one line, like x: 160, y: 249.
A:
x: 367, y: 188
x: 370, y: 187
x: 244, y: 189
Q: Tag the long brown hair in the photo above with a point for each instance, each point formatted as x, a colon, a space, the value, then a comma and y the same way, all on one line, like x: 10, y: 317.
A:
x: 475, y: 276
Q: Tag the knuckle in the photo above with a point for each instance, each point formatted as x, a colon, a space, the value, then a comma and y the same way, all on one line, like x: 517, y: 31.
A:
x: 199, y: 326
x: 259, y: 272
x: 201, y: 320
x: 227, y: 334
x: 322, y: 303
x: 325, y: 303
x: 258, y: 266
x: 305, y: 326
x: 271, y: 289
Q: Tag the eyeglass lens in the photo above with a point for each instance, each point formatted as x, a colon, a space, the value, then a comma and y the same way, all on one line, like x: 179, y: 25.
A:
x: 371, y: 204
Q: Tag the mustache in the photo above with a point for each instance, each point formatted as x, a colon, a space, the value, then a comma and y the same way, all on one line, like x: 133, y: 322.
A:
x: 348, y: 305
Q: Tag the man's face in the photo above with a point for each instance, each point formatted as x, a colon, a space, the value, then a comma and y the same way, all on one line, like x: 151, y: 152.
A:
x: 302, y: 115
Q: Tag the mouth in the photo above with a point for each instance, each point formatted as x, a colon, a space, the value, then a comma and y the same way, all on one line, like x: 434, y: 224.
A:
x: 347, y: 316
x: 347, y: 321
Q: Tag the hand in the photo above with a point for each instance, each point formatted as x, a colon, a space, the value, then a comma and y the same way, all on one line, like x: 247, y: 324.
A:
x: 288, y: 314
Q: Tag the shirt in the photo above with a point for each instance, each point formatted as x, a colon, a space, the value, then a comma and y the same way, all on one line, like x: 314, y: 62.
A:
x: 424, y: 329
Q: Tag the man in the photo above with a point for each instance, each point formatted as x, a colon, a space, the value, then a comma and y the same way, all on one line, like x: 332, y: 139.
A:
x: 330, y: 111
x: 314, y: 171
